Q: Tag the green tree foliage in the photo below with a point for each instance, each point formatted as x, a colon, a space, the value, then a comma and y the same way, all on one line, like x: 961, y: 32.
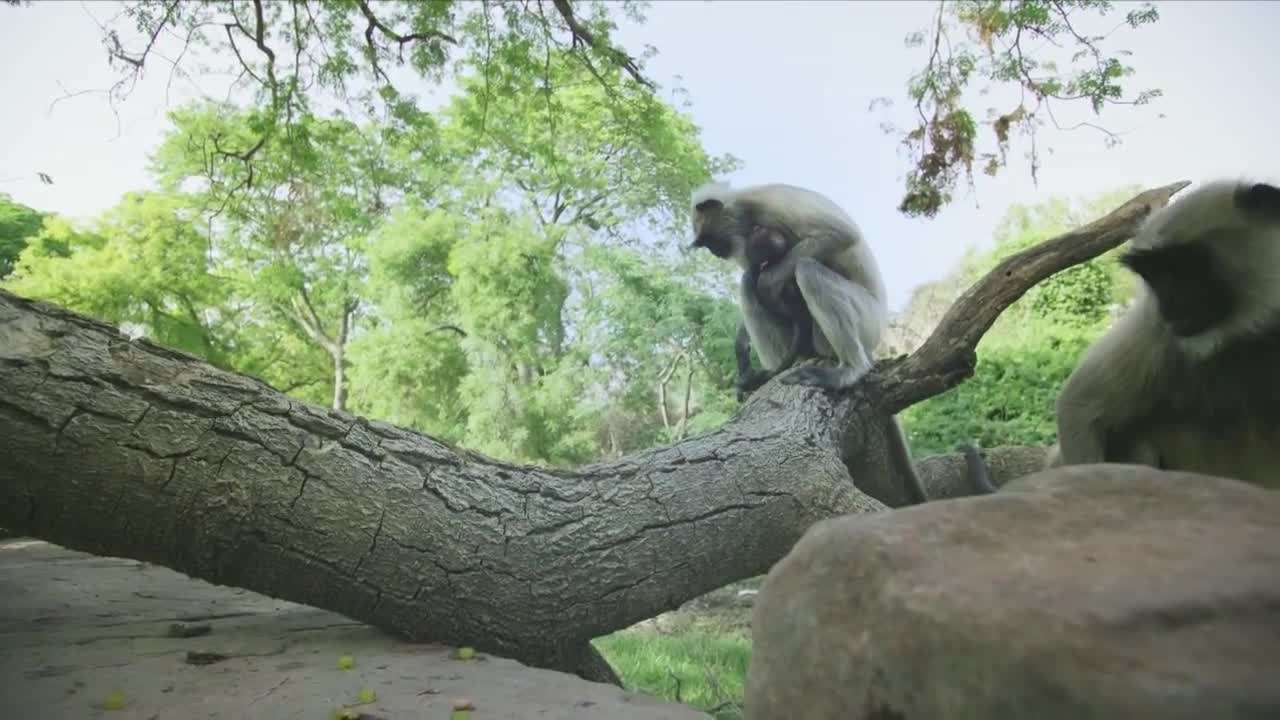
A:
x: 510, y: 296
x: 607, y: 157
x: 666, y: 342
x: 296, y: 57
x: 436, y: 269
x: 299, y: 57
x: 142, y: 265
x: 1035, y: 344
x: 17, y: 224
x: 408, y: 364
x: 291, y: 223
x: 1008, y: 401
x: 1046, y: 51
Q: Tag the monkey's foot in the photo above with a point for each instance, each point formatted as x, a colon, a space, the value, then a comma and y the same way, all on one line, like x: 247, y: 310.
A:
x: 827, y: 378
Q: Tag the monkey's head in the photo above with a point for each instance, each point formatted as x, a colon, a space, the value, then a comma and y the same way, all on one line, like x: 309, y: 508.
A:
x: 1211, y: 259
x: 717, y: 224
x: 731, y: 229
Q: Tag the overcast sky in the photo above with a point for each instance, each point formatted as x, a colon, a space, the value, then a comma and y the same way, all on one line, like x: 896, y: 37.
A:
x: 785, y: 86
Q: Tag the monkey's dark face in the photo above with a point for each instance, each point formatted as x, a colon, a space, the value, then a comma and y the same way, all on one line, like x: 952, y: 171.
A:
x: 1191, y: 291
x: 1211, y: 259
x: 719, y: 243
x: 715, y: 229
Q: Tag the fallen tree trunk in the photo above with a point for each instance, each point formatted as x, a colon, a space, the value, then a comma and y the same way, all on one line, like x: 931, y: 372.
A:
x: 120, y: 447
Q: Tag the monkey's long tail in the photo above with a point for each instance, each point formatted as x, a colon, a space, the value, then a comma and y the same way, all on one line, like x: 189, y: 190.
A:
x: 976, y: 468
x: 900, y: 455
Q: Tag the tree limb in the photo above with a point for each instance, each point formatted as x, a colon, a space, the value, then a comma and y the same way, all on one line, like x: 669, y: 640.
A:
x: 115, y: 49
x: 447, y: 328
x: 123, y: 448
x: 401, y: 40
x: 581, y: 35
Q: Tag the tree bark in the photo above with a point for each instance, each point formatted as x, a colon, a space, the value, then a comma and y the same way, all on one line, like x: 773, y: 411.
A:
x: 123, y: 448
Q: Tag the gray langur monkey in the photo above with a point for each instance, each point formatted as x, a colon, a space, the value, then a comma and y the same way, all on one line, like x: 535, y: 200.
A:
x: 825, y: 258
x: 1186, y: 379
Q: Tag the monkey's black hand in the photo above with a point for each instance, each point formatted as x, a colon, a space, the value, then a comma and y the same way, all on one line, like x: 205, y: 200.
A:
x: 751, y: 382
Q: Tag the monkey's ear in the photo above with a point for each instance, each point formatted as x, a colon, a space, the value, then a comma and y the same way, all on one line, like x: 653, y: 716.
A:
x: 711, y: 196
x: 1259, y: 199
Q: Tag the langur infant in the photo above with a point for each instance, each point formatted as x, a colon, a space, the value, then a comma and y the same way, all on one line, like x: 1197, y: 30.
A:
x: 765, y: 246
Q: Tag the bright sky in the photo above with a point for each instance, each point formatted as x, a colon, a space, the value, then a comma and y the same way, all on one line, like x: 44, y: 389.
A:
x: 785, y: 86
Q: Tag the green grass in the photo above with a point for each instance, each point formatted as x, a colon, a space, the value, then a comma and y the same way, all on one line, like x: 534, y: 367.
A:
x: 700, y: 667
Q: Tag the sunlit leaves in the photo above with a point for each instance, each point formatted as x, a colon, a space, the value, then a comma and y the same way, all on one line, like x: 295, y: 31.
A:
x: 604, y: 157
x: 430, y: 259
x: 308, y: 57
x: 144, y: 264
x: 17, y: 223
x: 1010, y: 43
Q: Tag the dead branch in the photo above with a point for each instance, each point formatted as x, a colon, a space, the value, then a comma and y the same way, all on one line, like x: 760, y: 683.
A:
x: 947, y: 357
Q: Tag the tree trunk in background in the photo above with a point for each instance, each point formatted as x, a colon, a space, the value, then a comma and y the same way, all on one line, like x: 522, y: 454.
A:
x: 340, y: 379
x: 123, y: 448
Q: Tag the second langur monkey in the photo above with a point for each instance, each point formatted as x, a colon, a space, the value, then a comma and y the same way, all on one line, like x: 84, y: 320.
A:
x: 1187, y: 378
x: 828, y: 261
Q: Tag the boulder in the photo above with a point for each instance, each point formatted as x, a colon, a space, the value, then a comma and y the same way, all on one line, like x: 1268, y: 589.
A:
x: 1097, y: 591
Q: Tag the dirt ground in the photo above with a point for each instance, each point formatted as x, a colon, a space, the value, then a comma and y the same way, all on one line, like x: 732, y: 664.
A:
x: 90, y: 637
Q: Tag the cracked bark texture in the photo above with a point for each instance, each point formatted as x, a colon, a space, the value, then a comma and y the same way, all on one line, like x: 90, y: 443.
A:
x: 119, y: 447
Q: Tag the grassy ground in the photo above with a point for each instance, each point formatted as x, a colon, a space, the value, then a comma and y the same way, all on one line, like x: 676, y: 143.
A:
x: 696, y: 655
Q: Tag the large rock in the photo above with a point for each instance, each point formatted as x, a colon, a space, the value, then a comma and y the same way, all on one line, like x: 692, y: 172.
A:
x: 1083, y: 592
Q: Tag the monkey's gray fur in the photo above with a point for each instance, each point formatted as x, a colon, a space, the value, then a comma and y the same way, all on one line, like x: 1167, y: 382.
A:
x: 829, y: 260
x: 837, y: 276
x: 1186, y: 379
